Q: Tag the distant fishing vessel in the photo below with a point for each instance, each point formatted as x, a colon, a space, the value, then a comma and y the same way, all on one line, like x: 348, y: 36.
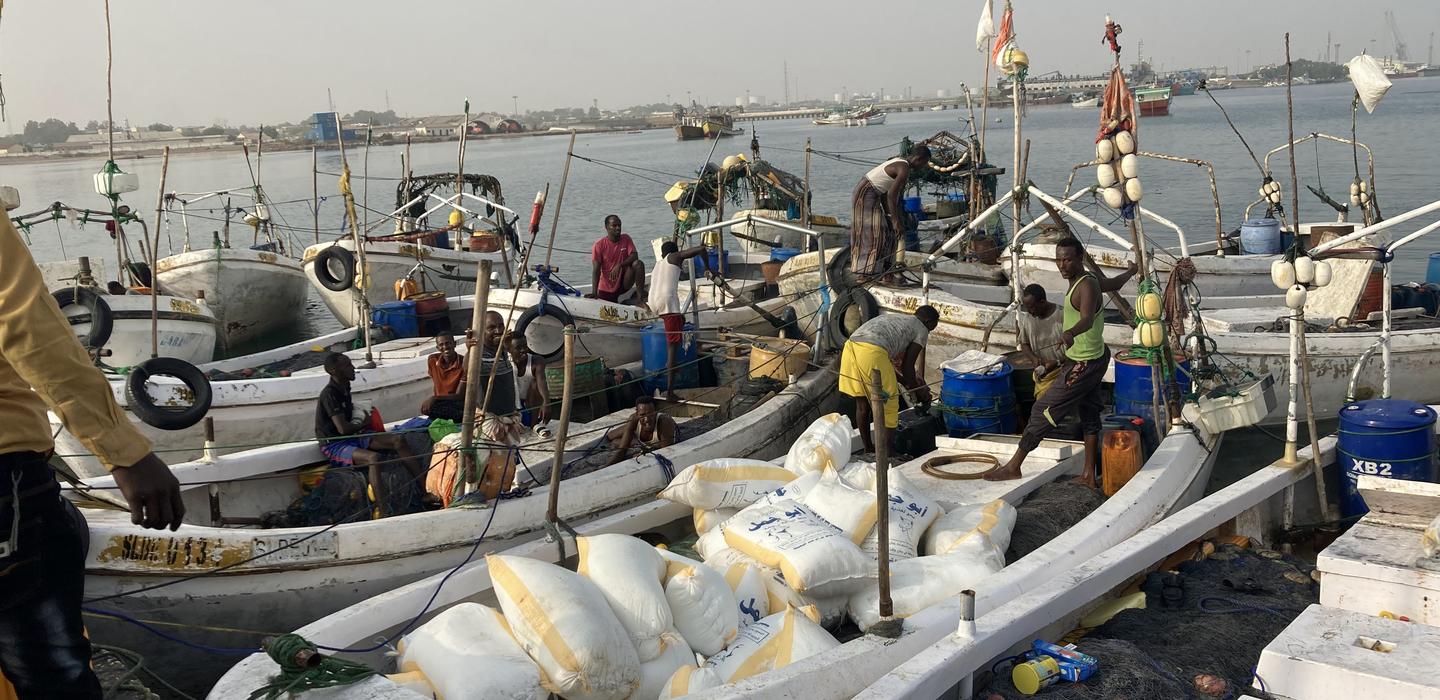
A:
x: 1153, y: 101
x: 868, y: 115
x: 1080, y: 101
x: 693, y: 127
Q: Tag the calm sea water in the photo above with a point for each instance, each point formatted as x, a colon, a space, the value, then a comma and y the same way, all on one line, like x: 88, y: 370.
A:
x: 1401, y: 133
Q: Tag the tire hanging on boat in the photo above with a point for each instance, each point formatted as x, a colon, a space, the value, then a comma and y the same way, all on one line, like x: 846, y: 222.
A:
x: 531, y: 314
x: 342, y: 257
x: 142, y: 405
x: 101, y: 320
x: 862, y: 301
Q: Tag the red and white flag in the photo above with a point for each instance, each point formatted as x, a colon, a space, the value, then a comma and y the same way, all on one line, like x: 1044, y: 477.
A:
x: 1005, y: 39
x: 986, y: 30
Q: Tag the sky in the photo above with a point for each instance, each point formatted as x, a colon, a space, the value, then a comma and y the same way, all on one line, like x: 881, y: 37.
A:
x: 202, y: 62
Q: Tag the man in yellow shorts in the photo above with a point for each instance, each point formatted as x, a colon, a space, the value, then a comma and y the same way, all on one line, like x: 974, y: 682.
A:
x: 875, y: 345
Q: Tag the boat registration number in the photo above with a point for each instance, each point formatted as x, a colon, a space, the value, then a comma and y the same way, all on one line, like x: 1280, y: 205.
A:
x: 290, y: 549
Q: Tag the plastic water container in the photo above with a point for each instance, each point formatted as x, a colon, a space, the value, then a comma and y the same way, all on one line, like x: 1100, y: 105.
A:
x: 719, y: 262
x: 399, y: 316
x: 1432, y: 271
x: 979, y: 403
x: 1260, y: 236
x: 1390, y: 438
x: 1133, y: 389
x: 913, y: 205
x: 655, y: 353
x: 783, y: 254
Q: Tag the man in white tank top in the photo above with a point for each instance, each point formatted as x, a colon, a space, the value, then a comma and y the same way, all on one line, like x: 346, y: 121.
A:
x: 665, y: 301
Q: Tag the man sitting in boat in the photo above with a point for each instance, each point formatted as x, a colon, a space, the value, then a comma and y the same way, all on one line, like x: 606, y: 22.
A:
x: 1040, y: 331
x: 665, y: 302
x: 873, y: 346
x: 616, y: 268
x: 531, y: 389
x: 1077, y: 385
x: 648, y: 429
x: 877, y: 219
x: 347, y: 440
x: 447, y: 372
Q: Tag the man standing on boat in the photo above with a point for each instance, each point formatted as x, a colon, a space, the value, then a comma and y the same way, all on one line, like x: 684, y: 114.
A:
x: 349, y: 440
x: 875, y: 345
x: 1040, y: 336
x: 1077, y: 384
x: 43, y: 539
x: 447, y: 373
x: 877, y: 219
x: 615, y: 265
x: 665, y: 302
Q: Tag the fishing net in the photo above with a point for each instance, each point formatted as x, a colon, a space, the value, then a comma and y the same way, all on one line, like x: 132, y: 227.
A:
x: 1051, y: 510
x: 1221, y: 613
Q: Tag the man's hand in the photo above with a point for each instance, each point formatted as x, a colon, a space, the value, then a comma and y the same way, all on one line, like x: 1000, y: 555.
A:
x: 1067, y: 338
x: 923, y: 395
x: 152, y: 492
x: 589, y: 295
x: 1132, y: 269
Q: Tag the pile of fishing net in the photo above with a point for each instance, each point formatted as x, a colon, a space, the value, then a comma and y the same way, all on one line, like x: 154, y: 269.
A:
x: 1227, y: 608
x: 1045, y: 514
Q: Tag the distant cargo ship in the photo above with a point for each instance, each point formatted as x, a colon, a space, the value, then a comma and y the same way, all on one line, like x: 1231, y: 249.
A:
x: 1153, y: 101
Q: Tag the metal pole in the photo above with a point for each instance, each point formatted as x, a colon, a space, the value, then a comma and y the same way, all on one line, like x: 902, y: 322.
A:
x: 882, y: 501
x: 472, y: 371
x: 155, y: 260
x: 553, y: 508
x: 560, y: 201
x: 1326, y: 511
x: 1292, y: 425
x: 805, y: 202
x: 315, y: 189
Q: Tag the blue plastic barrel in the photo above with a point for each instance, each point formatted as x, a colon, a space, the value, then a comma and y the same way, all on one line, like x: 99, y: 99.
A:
x: 399, y: 316
x: 655, y: 355
x: 1392, y: 438
x: 1133, y: 389
x: 783, y: 254
x: 718, y: 263
x: 913, y: 205
x: 979, y: 403
x: 1260, y: 236
x: 1432, y: 272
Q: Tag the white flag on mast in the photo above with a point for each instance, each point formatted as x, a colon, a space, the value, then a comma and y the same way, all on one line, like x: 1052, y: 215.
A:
x: 986, y: 28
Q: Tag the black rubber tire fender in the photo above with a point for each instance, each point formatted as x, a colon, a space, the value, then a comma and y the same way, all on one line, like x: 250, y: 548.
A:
x: 857, y: 298
x: 531, y: 314
x: 139, y: 402
x: 101, y: 320
x: 345, y: 259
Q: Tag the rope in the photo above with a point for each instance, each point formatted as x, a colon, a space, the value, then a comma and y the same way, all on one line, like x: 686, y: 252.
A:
x: 303, y: 667
x: 1182, y: 276
x: 932, y: 466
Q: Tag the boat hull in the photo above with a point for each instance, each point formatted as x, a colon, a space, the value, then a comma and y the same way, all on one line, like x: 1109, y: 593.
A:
x: 366, y: 559
x: 186, y: 330
x: 251, y: 292
x: 450, y: 271
x: 266, y: 411
x: 686, y: 132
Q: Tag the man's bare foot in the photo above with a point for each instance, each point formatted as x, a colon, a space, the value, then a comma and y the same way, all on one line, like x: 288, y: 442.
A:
x: 1086, y: 480
x: 1005, y: 473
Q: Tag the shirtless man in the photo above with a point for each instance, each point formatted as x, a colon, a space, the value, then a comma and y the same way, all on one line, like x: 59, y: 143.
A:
x: 649, y: 427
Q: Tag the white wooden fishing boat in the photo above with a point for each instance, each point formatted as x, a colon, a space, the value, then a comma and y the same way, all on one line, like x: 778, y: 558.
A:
x: 306, y: 573
x: 862, y: 116
x: 260, y: 410
x: 251, y: 292
x: 1174, y: 477
x: 437, y: 269
x: 187, y: 329
x: 944, y: 654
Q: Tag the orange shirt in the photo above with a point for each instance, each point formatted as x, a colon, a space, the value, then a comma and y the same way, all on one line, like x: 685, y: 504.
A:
x: 447, y: 378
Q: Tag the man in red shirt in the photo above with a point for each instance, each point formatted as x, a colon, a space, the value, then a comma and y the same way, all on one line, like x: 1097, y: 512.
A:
x: 616, y: 266
x: 447, y: 372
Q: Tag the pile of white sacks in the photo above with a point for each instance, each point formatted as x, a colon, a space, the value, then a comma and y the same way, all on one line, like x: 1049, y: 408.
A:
x: 788, y: 552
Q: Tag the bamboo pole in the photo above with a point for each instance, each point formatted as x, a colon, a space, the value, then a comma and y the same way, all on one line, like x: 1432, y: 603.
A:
x: 560, y: 201
x: 985, y: 91
x: 364, y: 273
x: 805, y: 201
x: 365, y: 181
x: 887, y: 626
x: 552, y: 510
x: 155, y: 259
x: 472, y: 369
x: 315, y: 189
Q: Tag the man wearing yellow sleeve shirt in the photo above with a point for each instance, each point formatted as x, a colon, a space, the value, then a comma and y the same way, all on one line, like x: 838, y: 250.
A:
x: 43, y: 650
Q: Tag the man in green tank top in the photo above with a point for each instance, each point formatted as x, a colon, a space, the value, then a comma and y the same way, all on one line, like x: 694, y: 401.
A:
x: 1077, y: 389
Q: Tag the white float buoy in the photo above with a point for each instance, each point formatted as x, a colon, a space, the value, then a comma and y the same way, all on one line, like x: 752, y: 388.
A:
x: 1105, y: 175
x: 1114, y: 197
x: 1295, y: 297
x: 1282, y: 274
x: 1322, y: 273
x: 1133, y: 191
x: 1304, y: 270
x: 1130, y: 166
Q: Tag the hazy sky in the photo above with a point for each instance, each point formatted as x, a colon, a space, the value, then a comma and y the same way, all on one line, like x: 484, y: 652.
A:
x: 206, y: 61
